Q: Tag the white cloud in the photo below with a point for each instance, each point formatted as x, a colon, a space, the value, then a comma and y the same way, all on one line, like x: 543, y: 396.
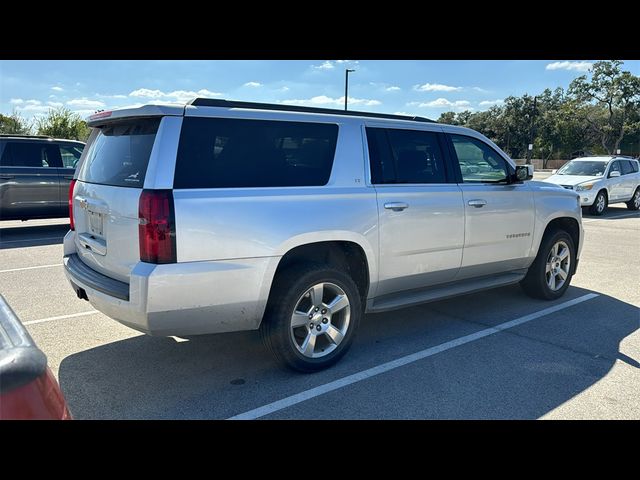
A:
x: 436, y: 87
x: 457, y: 105
x: 178, y: 96
x: 57, y: 89
x: 324, y: 100
x: 33, y: 102
x: 55, y: 104
x: 490, y: 103
x: 577, y: 66
x: 16, y: 101
x: 100, y: 95
x: 252, y: 84
x: 481, y: 90
x: 327, y: 65
x: 85, y: 103
x: 393, y: 89
x: 283, y: 89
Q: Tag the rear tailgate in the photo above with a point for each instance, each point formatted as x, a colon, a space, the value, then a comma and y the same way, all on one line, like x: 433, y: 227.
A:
x: 106, y: 195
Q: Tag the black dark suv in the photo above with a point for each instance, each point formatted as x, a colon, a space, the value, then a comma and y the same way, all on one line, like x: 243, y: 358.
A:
x: 35, y: 172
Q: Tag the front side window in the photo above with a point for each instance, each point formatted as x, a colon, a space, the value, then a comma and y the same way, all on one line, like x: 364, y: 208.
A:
x: 235, y: 153
x: 479, y: 163
x: 405, y: 156
x: 615, y: 167
x: 70, y: 155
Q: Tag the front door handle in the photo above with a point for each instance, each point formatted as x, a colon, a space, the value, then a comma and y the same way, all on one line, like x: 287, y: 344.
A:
x: 396, y: 206
x: 478, y: 203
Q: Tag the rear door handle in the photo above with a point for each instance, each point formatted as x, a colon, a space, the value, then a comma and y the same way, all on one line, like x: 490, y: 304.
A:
x: 478, y: 203
x: 396, y: 206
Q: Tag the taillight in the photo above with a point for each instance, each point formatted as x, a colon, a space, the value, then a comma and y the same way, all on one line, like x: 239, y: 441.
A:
x: 157, y: 227
x: 71, y: 187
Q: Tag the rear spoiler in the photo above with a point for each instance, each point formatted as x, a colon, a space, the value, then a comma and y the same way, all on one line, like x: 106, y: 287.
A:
x: 102, y: 118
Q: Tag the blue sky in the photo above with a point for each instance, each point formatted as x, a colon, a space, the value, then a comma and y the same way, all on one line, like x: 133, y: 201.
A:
x: 423, y: 87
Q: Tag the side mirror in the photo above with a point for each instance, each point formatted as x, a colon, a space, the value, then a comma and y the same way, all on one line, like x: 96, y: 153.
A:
x: 554, y: 171
x: 524, y: 172
x: 614, y: 174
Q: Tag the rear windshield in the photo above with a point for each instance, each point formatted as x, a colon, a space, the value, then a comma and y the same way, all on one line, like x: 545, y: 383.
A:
x: 119, y: 154
x: 223, y: 153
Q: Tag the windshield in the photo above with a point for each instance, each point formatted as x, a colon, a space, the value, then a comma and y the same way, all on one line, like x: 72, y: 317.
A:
x: 588, y: 168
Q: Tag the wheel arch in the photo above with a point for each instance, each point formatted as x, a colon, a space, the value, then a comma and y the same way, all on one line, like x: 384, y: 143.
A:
x: 345, y: 250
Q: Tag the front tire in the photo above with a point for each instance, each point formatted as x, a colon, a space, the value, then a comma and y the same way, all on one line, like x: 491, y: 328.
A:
x: 600, y: 204
x: 634, y: 203
x: 312, y: 317
x: 550, y: 273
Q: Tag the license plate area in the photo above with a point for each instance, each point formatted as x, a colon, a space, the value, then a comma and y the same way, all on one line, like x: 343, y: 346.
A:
x: 96, y: 223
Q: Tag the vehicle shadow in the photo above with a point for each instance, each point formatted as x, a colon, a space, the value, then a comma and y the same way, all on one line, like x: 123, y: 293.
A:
x: 612, y: 213
x: 218, y: 376
x: 31, y: 236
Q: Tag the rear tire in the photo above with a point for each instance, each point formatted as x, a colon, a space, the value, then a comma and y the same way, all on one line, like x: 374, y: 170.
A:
x: 323, y: 329
x: 600, y: 204
x: 634, y: 203
x: 551, y: 262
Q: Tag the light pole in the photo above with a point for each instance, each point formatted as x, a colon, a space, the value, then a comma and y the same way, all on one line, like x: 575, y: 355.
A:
x: 346, y: 86
x: 531, y: 124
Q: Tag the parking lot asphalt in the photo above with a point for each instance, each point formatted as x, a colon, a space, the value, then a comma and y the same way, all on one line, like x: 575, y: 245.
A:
x: 494, y: 354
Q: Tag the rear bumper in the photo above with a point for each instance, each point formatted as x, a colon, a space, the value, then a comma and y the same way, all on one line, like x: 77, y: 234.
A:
x: 189, y: 298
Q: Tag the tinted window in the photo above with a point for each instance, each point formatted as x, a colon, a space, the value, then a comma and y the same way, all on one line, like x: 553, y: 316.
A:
x: 479, y: 163
x: 382, y: 165
x: 119, y: 154
x: 634, y: 166
x: 70, y: 155
x: 626, y: 167
x: 29, y: 154
x: 221, y: 153
x: 405, y: 156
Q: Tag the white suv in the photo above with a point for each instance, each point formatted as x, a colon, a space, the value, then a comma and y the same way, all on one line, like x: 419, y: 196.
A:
x: 220, y: 216
x: 601, y: 181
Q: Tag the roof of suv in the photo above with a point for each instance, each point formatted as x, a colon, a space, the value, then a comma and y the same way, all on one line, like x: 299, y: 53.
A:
x: 605, y: 158
x: 178, y: 109
x: 36, y: 138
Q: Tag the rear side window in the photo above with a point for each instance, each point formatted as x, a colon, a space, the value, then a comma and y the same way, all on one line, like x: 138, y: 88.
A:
x: 225, y: 153
x: 30, y: 154
x: 626, y: 167
x: 119, y: 154
x: 405, y: 156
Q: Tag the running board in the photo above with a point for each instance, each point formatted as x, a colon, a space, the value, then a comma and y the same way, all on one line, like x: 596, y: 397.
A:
x: 441, y: 292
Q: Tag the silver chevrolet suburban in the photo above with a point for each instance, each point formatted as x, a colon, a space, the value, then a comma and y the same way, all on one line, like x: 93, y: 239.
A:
x: 219, y: 216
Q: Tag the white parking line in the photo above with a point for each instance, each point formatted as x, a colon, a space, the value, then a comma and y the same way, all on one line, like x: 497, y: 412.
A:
x: 589, y: 220
x: 30, y: 240
x: 400, y: 362
x: 30, y: 268
x: 61, y: 317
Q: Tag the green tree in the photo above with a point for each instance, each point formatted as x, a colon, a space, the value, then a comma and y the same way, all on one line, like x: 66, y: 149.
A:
x: 448, y: 117
x: 616, y: 93
x: 63, y: 123
x: 15, y: 124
